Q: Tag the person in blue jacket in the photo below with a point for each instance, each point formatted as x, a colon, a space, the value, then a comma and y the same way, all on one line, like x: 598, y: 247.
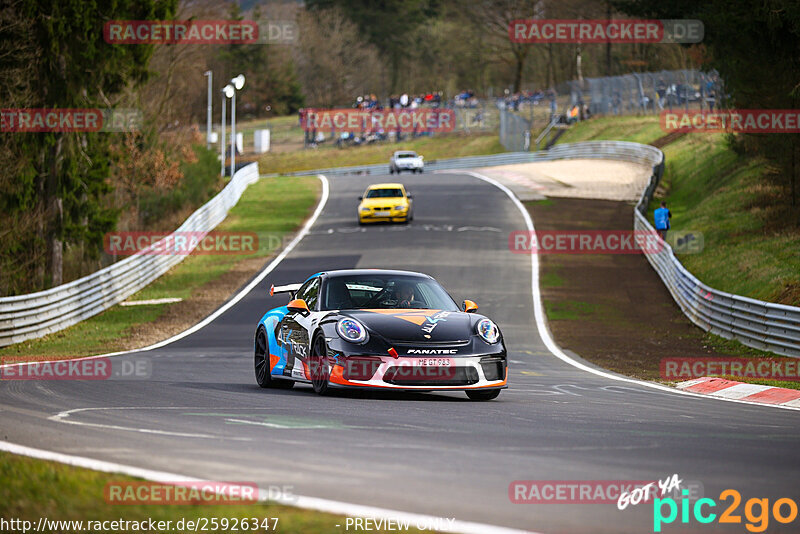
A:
x: 662, y: 216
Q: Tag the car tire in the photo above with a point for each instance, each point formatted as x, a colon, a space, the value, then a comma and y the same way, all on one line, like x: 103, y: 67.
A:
x: 320, y: 370
x: 480, y: 395
x: 261, y: 364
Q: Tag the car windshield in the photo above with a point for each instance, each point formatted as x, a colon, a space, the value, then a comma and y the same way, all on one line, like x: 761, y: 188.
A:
x: 406, y: 155
x: 384, y: 193
x: 384, y: 291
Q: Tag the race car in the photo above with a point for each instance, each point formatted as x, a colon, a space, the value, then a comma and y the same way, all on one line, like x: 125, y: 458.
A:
x: 386, y: 203
x: 380, y: 329
x: 405, y: 160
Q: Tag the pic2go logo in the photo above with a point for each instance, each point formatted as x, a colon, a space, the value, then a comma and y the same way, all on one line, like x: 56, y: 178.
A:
x: 758, y: 521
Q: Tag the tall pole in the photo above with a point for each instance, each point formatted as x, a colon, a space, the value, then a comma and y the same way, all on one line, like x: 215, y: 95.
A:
x: 233, y: 134
x: 222, y: 143
x: 208, y: 110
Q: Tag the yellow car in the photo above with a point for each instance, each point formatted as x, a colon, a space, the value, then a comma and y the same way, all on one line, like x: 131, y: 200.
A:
x: 385, y: 202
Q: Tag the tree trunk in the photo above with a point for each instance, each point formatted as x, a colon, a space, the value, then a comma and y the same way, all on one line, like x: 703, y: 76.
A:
x: 54, y: 215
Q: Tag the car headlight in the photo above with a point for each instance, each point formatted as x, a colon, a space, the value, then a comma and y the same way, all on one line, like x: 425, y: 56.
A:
x: 365, y: 209
x: 398, y: 208
x: 488, y: 331
x: 351, y: 330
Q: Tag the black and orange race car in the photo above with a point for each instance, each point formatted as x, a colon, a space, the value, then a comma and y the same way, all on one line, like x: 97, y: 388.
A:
x: 374, y: 328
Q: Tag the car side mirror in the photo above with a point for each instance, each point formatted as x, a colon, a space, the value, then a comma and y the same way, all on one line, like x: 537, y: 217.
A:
x: 361, y: 198
x: 298, y: 306
x: 409, y: 195
x: 470, y: 307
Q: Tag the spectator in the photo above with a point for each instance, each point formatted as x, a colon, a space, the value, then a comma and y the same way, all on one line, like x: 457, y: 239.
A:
x: 661, y: 217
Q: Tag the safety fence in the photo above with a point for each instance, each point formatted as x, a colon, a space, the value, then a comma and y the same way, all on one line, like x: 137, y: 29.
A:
x: 24, y: 317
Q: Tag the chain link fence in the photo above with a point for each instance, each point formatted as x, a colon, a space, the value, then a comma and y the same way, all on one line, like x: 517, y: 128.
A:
x: 645, y: 93
x: 515, y: 131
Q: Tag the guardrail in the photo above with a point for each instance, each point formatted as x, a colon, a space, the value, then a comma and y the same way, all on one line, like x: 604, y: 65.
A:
x: 24, y: 317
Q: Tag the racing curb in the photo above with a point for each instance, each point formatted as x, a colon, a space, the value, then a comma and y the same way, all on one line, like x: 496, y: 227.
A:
x: 730, y: 389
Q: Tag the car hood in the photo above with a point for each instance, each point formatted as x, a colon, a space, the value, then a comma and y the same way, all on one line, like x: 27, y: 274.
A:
x: 413, y: 325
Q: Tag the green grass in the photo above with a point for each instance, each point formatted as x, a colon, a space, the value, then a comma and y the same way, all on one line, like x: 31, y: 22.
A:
x: 432, y: 148
x: 271, y: 208
x: 568, y: 310
x: 551, y: 279
x: 33, y: 489
x: 636, y: 129
x: 751, y: 248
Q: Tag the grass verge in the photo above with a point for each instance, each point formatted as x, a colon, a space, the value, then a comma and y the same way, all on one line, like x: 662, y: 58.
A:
x: 34, y: 489
x: 751, y: 234
x: 432, y: 148
x: 273, y: 208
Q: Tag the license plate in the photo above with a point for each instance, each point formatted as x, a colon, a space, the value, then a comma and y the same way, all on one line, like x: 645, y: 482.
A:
x: 434, y: 362
x: 381, y: 214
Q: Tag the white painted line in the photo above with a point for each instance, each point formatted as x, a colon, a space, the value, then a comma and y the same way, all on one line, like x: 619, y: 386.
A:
x: 65, y: 417
x: 792, y: 403
x: 167, y: 300
x: 739, y: 391
x: 236, y: 298
x: 693, y: 382
x: 541, y: 317
x: 297, y: 501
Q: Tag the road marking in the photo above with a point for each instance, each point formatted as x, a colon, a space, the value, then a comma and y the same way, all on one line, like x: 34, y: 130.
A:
x: 297, y: 501
x: 65, y: 417
x: 529, y: 373
x: 167, y: 300
x: 541, y: 318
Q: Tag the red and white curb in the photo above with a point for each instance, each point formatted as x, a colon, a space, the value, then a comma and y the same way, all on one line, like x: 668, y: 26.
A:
x: 730, y: 389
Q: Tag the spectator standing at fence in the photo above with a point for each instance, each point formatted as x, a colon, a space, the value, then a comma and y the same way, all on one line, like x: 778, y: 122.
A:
x: 661, y: 217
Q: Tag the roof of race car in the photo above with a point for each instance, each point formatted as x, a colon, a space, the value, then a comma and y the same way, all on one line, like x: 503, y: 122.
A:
x: 364, y: 272
x: 392, y: 185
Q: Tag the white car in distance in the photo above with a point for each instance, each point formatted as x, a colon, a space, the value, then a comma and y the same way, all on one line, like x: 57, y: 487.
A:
x: 405, y: 160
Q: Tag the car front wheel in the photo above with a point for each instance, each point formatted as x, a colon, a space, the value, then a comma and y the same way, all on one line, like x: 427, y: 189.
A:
x: 320, y: 370
x: 479, y: 395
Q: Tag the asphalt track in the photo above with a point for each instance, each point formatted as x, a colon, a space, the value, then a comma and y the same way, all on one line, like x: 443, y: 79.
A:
x: 201, y: 414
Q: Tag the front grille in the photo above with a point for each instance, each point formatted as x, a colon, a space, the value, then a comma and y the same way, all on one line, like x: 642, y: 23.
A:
x: 494, y: 367
x: 430, y: 376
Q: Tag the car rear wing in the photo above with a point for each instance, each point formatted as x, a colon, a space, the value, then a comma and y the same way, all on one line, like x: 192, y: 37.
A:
x: 290, y: 288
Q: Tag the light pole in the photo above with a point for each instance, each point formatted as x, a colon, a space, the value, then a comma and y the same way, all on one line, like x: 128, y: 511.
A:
x: 238, y: 83
x: 227, y: 92
x: 208, y: 109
